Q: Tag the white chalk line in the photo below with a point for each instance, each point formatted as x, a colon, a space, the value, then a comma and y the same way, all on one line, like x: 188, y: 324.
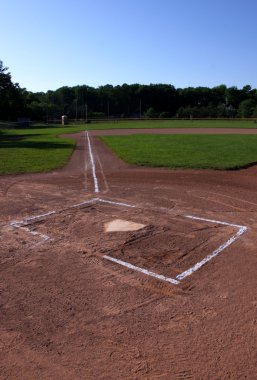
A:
x: 86, y: 165
x: 194, y: 268
x: 35, y: 233
x: 96, y: 186
x: 197, y: 266
x: 141, y: 270
x: 213, y: 221
x: 23, y: 224
x: 116, y: 203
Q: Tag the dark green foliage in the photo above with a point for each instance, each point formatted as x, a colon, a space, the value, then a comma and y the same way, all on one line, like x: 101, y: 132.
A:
x: 125, y: 101
x: 135, y: 101
x: 11, y: 96
x: 150, y: 113
x: 247, y: 108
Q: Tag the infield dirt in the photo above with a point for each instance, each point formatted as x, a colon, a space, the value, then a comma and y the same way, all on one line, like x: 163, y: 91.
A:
x: 67, y: 312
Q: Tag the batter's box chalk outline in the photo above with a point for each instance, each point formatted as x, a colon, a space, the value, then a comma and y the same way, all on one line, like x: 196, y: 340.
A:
x: 198, y: 265
x: 26, y: 224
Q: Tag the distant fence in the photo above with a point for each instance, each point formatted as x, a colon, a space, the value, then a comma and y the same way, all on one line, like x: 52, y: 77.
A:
x: 44, y: 124
x: 117, y: 120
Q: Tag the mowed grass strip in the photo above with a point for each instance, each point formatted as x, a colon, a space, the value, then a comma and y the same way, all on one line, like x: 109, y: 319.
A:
x: 136, y: 124
x: 186, y: 151
x: 34, y: 150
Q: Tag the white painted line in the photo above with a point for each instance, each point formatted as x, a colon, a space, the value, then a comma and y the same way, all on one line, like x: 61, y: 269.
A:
x: 26, y: 221
x: 92, y: 163
x: 93, y: 200
x: 35, y: 233
x: 115, y: 203
x: 23, y: 223
x: 213, y: 221
x: 141, y: 270
x: 194, y: 268
x: 33, y: 218
x: 86, y: 164
x: 188, y: 272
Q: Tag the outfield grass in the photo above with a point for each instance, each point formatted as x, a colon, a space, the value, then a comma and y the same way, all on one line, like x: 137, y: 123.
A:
x: 186, y: 151
x: 34, y: 150
x: 40, y: 150
x: 134, y: 124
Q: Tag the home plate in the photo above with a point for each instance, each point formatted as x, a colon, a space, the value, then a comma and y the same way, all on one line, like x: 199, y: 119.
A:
x: 119, y: 225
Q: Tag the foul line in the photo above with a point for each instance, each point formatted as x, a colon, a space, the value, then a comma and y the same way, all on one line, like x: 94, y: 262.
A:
x: 96, y: 186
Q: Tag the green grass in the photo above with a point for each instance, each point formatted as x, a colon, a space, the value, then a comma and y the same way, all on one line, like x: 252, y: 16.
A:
x: 34, y: 149
x: 186, y: 151
x: 39, y: 149
x: 134, y: 124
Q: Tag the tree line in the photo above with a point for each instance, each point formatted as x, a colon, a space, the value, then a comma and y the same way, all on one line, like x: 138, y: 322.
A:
x: 124, y: 101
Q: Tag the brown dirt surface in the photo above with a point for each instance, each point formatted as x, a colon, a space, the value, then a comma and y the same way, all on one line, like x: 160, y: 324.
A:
x: 67, y: 312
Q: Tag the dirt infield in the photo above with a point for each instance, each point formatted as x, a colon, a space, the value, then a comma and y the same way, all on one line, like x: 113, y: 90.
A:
x: 69, y: 310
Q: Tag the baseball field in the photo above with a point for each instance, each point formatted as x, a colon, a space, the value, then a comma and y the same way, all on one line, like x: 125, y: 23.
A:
x: 128, y: 251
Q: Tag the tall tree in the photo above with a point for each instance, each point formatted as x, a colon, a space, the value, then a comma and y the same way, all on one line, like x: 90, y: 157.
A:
x: 11, y: 96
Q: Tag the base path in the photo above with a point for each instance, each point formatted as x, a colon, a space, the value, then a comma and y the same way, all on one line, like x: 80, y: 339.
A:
x: 68, y: 311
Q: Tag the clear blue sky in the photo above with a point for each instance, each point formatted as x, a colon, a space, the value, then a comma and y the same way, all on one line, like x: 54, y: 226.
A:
x: 51, y: 43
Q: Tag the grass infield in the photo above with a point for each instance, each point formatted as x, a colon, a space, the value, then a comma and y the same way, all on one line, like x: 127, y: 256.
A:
x: 186, y: 151
x: 34, y: 150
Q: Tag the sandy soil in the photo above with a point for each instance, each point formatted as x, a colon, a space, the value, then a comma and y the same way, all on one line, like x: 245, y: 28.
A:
x: 67, y: 312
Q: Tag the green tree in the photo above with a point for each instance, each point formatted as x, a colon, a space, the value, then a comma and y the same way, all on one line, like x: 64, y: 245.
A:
x: 254, y: 114
x: 246, y: 108
x: 11, y: 96
x: 150, y: 113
